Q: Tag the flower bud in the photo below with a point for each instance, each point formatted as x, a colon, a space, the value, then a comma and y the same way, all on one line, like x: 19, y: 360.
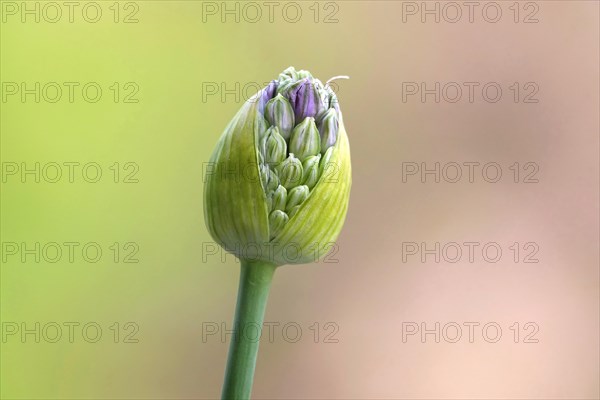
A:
x: 275, y: 146
x: 333, y: 102
x: 267, y: 94
x: 305, y: 140
x: 279, y: 198
x: 290, y: 74
x: 325, y: 163
x: 277, y: 193
x: 265, y: 174
x: 296, y: 196
x: 302, y: 74
x: 272, y: 181
x: 284, y: 86
x: 279, y: 113
x: 277, y: 220
x: 328, y: 129
x: 306, y: 98
x: 290, y: 172
x: 311, y: 172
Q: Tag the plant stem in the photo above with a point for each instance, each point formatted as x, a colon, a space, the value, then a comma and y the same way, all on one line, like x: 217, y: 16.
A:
x: 253, y: 292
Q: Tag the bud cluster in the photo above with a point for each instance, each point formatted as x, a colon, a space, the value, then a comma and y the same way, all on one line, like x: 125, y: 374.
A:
x: 300, y: 127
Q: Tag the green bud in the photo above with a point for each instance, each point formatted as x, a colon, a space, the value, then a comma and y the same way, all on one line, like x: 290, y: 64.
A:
x: 328, y: 129
x: 279, y: 198
x: 288, y: 86
x: 325, y: 163
x: 296, y: 197
x: 277, y: 220
x: 311, y: 171
x: 333, y: 102
x: 272, y: 181
x: 290, y: 73
x: 249, y: 202
x: 290, y: 172
x: 279, y: 113
x: 265, y: 175
x: 284, y: 86
x: 275, y: 146
x: 305, y: 141
x: 304, y: 74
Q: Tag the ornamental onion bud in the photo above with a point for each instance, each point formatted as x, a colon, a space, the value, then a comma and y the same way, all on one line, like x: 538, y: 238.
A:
x: 290, y: 74
x: 296, y: 196
x: 279, y: 198
x: 305, y: 140
x: 307, y: 98
x: 279, y: 113
x: 310, y: 168
x: 325, y: 163
x: 260, y: 200
x: 304, y: 74
x: 267, y: 94
x: 277, y: 220
x: 267, y: 187
x: 275, y: 146
x: 328, y: 129
x: 272, y: 181
x: 290, y: 172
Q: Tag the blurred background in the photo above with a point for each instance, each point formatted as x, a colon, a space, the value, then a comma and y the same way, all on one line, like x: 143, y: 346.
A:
x: 111, y: 288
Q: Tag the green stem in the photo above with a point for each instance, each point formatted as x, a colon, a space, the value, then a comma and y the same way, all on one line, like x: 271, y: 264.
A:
x: 253, y: 292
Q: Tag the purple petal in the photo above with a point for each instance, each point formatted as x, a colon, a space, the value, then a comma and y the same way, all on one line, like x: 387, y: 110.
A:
x: 304, y: 100
x: 267, y: 94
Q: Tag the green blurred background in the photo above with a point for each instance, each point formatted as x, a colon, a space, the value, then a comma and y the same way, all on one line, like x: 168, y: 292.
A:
x: 170, y: 57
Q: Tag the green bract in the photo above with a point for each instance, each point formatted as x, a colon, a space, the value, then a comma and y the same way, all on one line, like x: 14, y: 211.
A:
x: 278, y: 185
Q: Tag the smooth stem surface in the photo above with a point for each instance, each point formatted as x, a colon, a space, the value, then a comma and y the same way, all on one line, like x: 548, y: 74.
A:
x: 253, y: 292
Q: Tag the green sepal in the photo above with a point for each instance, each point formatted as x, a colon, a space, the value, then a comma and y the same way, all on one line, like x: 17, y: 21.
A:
x: 235, y: 203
